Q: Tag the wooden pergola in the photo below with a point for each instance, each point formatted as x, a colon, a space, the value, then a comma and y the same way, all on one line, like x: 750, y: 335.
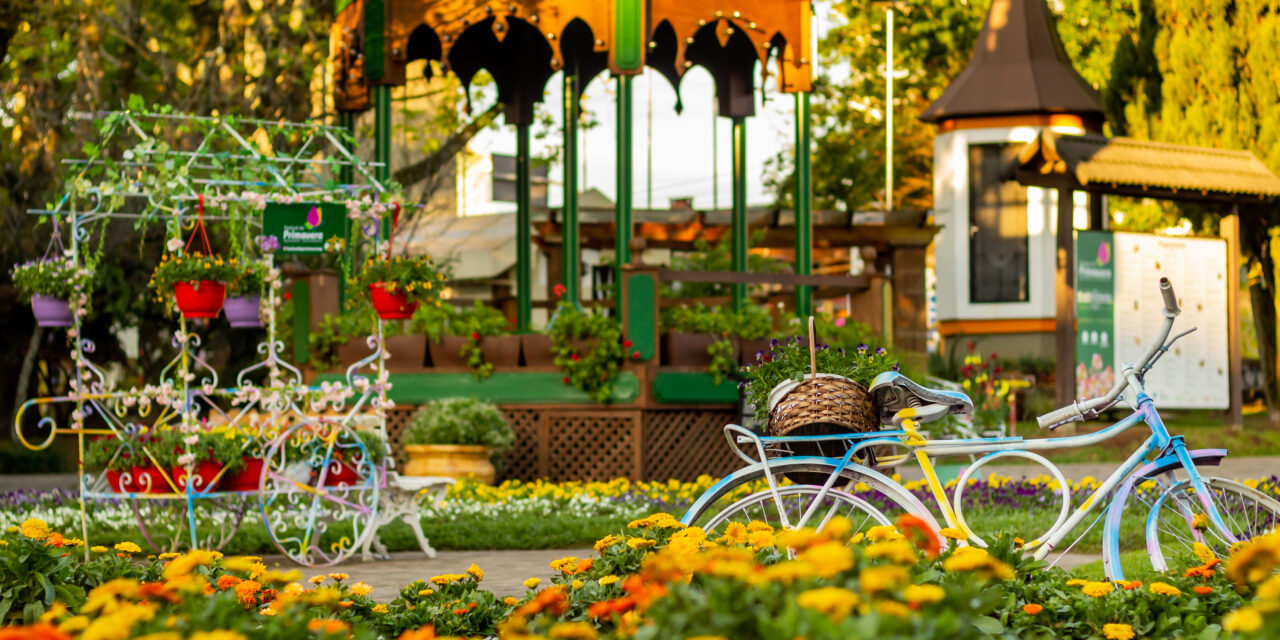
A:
x: 523, y: 43
x: 1231, y: 180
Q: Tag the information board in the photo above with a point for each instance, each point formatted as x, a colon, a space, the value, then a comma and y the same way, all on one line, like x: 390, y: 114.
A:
x: 1195, y: 372
x: 304, y: 227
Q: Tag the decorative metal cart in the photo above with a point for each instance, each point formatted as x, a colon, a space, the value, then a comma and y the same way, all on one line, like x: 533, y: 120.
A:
x: 313, y: 459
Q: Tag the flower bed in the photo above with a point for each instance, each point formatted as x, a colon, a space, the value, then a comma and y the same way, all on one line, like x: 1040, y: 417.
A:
x: 653, y: 579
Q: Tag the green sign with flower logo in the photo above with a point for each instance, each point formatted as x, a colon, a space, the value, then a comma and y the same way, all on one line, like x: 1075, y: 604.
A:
x: 1095, y: 313
x: 304, y: 227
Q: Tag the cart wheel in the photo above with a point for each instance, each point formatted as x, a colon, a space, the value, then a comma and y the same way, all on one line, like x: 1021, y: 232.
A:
x: 165, y: 525
x: 318, y: 493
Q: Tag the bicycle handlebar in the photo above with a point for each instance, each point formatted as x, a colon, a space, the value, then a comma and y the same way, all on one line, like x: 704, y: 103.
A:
x: 1082, y: 409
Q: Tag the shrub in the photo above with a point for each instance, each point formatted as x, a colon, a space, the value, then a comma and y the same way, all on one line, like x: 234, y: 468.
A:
x: 460, y: 421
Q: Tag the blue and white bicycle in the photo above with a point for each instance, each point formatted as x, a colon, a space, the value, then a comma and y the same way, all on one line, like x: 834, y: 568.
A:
x: 1162, y: 488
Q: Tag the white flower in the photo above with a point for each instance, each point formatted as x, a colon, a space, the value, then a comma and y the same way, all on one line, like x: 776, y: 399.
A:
x: 186, y: 459
x: 191, y: 439
x: 173, y: 244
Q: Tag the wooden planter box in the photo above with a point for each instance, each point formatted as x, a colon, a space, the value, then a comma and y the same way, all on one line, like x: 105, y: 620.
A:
x: 680, y: 349
x: 535, y: 351
x: 503, y: 352
x: 445, y: 353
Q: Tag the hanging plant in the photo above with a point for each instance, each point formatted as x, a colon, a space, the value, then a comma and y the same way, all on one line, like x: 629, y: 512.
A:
x: 396, y: 286
x: 244, y: 295
x: 53, y: 286
x: 197, y: 283
x: 588, y: 348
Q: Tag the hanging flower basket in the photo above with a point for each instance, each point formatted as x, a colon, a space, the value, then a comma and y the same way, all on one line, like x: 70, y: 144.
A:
x: 201, y: 299
x: 242, y: 312
x: 51, y: 312
x: 391, y: 305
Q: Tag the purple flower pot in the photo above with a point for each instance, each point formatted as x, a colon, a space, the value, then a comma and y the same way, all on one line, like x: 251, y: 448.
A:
x: 51, y: 312
x: 242, y: 313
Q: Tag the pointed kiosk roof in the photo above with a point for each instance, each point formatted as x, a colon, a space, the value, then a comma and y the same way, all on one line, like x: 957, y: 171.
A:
x: 1018, y: 68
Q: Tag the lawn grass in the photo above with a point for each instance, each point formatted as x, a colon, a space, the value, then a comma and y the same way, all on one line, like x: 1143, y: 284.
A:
x: 1201, y: 429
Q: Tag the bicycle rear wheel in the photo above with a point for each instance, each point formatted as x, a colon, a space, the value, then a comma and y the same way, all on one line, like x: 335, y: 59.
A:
x: 1179, y: 519
x: 789, y: 506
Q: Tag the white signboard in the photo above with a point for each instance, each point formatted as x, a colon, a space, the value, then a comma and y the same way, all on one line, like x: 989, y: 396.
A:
x: 1194, y: 373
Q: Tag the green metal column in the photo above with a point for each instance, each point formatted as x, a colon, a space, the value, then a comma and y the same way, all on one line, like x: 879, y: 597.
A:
x: 382, y: 143
x: 738, y: 228
x: 570, y: 249
x: 622, y: 216
x: 524, y: 298
x: 804, y: 201
x: 346, y: 175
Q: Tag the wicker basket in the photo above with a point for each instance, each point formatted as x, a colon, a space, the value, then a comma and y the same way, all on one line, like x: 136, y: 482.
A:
x: 827, y: 400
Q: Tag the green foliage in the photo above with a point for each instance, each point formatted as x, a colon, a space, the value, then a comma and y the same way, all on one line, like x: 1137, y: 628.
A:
x: 374, y: 443
x: 789, y: 360
x: 335, y: 331
x: 589, y: 348
x: 58, y: 278
x: 17, y: 459
x: 460, y: 421
x: 414, y: 276
x: 750, y: 322
x: 250, y: 279
x: 475, y: 323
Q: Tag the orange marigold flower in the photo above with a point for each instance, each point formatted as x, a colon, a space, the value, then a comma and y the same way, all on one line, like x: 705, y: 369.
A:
x: 920, y: 533
x: 425, y: 632
x: 583, y: 565
x: 227, y: 582
x: 1203, y: 589
x: 1032, y: 608
x: 460, y: 612
x: 327, y: 625
x: 40, y: 631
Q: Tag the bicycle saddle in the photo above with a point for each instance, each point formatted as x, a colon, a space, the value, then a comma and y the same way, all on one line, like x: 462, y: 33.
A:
x: 894, y: 392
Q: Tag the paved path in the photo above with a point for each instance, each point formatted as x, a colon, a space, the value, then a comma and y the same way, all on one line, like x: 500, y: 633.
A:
x: 504, y: 571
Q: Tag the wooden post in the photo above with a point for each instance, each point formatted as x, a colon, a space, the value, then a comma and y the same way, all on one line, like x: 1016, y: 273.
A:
x: 910, y: 330
x: 1065, y: 289
x: 1230, y: 228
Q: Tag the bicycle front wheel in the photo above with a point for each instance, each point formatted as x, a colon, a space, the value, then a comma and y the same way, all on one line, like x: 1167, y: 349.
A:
x: 1180, y: 518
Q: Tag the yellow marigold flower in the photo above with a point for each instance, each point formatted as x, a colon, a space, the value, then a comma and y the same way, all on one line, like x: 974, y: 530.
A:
x: 640, y: 543
x: 978, y: 561
x: 1097, y: 589
x: 74, y: 624
x: 734, y: 533
x: 532, y: 583
x: 899, y: 551
x: 221, y: 634
x: 316, y: 579
x: 1254, y: 561
x: 128, y: 547
x: 893, y: 608
x: 577, y: 584
x: 606, y: 542
x: 952, y: 533
x: 1204, y: 553
x: 834, y: 602
x: 1200, y: 522
x: 884, y: 532
x: 510, y: 601
x: 11, y: 529
x: 828, y: 559
x: 361, y: 588
x: 168, y: 555
x: 185, y: 563
x: 35, y: 529
x: 98, y: 548
x: 758, y: 540
x: 475, y: 572
x: 917, y: 594
x: 73, y: 542
x: 561, y: 564
x: 339, y: 576
x: 573, y: 631
x: 884, y: 578
x: 1164, y: 589
x: 1244, y: 619
x: 426, y: 592
x: 608, y: 580
x: 381, y: 608
x: 1114, y: 631
x: 4, y: 543
x: 1076, y: 582
x: 1269, y: 590
x: 756, y: 525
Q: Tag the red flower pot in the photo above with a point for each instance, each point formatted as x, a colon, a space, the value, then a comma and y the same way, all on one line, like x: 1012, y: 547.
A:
x: 391, y: 306
x: 149, y: 479
x: 205, y: 472
x: 203, y: 301
x: 246, y: 479
x: 114, y: 479
x: 341, y: 474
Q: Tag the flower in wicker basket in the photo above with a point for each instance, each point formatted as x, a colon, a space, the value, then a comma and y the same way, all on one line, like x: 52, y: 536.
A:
x: 801, y: 386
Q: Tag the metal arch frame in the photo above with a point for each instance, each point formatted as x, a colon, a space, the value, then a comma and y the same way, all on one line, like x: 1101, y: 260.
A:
x: 94, y: 394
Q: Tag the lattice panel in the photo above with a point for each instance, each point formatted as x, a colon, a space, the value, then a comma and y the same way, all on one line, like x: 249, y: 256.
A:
x: 521, y: 460
x: 397, y: 419
x: 686, y: 443
x: 592, y: 445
